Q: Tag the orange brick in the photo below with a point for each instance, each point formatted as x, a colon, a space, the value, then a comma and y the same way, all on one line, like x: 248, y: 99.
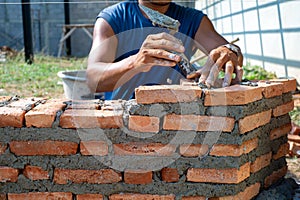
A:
x: 137, y: 177
x: 35, y: 173
x: 26, y: 104
x: 13, y: 117
x: 102, y: 176
x: 234, y: 150
x: 4, y: 99
x: 283, y: 109
x: 3, y: 197
x: 143, y: 124
x: 89, y: 197
x: 198, y: 123
x: 141, y: 197
x: 76, y: 118
x: 193, y: 150
x: 48, y: 147
x: 233, y: 95
x: 84, y: 104
x: 194, y: 198
x: 8, y: 174
x: 167, y: 94
x: 261, y: 162
x: 270, y: 90
x: 169, y: 175
x: 96, y: 148
x: 43, y: 115
x: 275, y: 176
x: 254, y: 121
x: 289, y: 85
x: 3, y: 147
x: 228, y: 176
x: 249, y: 193
x: 41, y: 195
x: 282, y: 151
x: 144, y: 149
x: 281, y: 131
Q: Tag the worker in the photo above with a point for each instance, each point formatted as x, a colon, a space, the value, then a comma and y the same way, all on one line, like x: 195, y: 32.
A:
x: 129, y: 50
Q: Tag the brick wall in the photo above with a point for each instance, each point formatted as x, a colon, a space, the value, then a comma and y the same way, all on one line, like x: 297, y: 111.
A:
x: 171, y: 142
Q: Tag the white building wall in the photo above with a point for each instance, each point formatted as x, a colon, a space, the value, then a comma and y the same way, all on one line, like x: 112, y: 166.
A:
x: 269, y: 31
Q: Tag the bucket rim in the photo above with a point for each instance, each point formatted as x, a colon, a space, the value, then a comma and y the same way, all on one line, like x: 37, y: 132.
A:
x: 76, y: 78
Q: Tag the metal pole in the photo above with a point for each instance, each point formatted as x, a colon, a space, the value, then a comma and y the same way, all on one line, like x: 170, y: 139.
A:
x: 27, y: 32
x: 67, y: 21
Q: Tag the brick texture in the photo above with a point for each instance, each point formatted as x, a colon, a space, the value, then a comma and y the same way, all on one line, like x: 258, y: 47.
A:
x: 282, y: 151
x: 289, y: 85
x: 76, y: 118
x: 283, y: 109
x: 261, y: 162
x: 144, y: 124
x: 41, y: 195
x: 254, y: 121
x: 137, y: 177
x: 169, y: 175
x: 198, y: 123
x: 62, y: 176
x: 141, y: 197
x: 194, y: 198
x: 43, y: 115
x: 8, y: 174
x: 270, y: 90
x: 193, y: 150
x: 3, y: 147
x: 35, y: 148
x: 35, y: 173
x: 274, y: 177
x: 281, y: 131
x: 14, y: 117
x: 233, y: 95
x: 167, y: 94
x: 96, y: 148
x: 150, y: 149
x: 219, y: 175
x: 89, y: 197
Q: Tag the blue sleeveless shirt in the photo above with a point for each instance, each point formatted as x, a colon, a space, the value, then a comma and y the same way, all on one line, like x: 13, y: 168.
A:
x: 131, y: 29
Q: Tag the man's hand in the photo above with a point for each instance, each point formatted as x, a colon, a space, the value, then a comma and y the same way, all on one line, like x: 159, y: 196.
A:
x: 221, y: 58
x: 156, y: 50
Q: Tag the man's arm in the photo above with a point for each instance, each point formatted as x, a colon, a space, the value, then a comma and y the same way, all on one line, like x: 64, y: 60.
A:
x: 220, y: 57
x: 103, y: 74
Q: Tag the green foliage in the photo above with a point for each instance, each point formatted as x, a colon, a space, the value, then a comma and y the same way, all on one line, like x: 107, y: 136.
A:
x: 255, y: 72
x: 295, y: 115
x: 39, y: 79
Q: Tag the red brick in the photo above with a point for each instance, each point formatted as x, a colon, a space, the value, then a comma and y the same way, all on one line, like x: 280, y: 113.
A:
x: 198, y: 123
x: 4, y: 99
x: 85, y: 104
x: 233, y: 95
x: 144, y: 149
x: 48, y: 147
x: 169, y: 175
x: 282, y: 151
x: 194, y: 198
x: 76, y: 118
x: 141, y: 197
x: 193, y: 150
x: 234, y: 150
x: 43, y: 115
x: 3, y: 147
x: 41, y: 195
x: 35, y: 173
x: 143, y: 124
x: 13, y: 117
x: 270, y: 90
x: 167, y: 94
x: 281, y: 131
x: 254, y: 121
x: 96, y: 148
x: 8, y: 174
x: 89, y: 197
x: 261, y: 162
x: 3, y: 197
x: 275, y: 176
x: 137, y: 177
x: 249, y: 193
x: 227, y: 176
x: 283, y: 109
x: 26, y: 104
x: 289, y: 85
x: 102, y: 176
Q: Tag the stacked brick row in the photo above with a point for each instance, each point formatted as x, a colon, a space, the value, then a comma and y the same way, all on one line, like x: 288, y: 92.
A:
x: 294, y: 136
x: 171, y: 142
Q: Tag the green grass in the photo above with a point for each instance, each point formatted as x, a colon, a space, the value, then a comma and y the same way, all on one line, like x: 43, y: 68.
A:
x: 38, y: 79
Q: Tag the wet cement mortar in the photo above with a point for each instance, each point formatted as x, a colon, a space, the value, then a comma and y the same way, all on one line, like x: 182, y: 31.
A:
x: 286, y: 188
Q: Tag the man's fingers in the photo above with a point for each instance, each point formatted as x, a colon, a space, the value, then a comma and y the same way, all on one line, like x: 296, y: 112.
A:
x: 164, y: 41
x: 229, y: 68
